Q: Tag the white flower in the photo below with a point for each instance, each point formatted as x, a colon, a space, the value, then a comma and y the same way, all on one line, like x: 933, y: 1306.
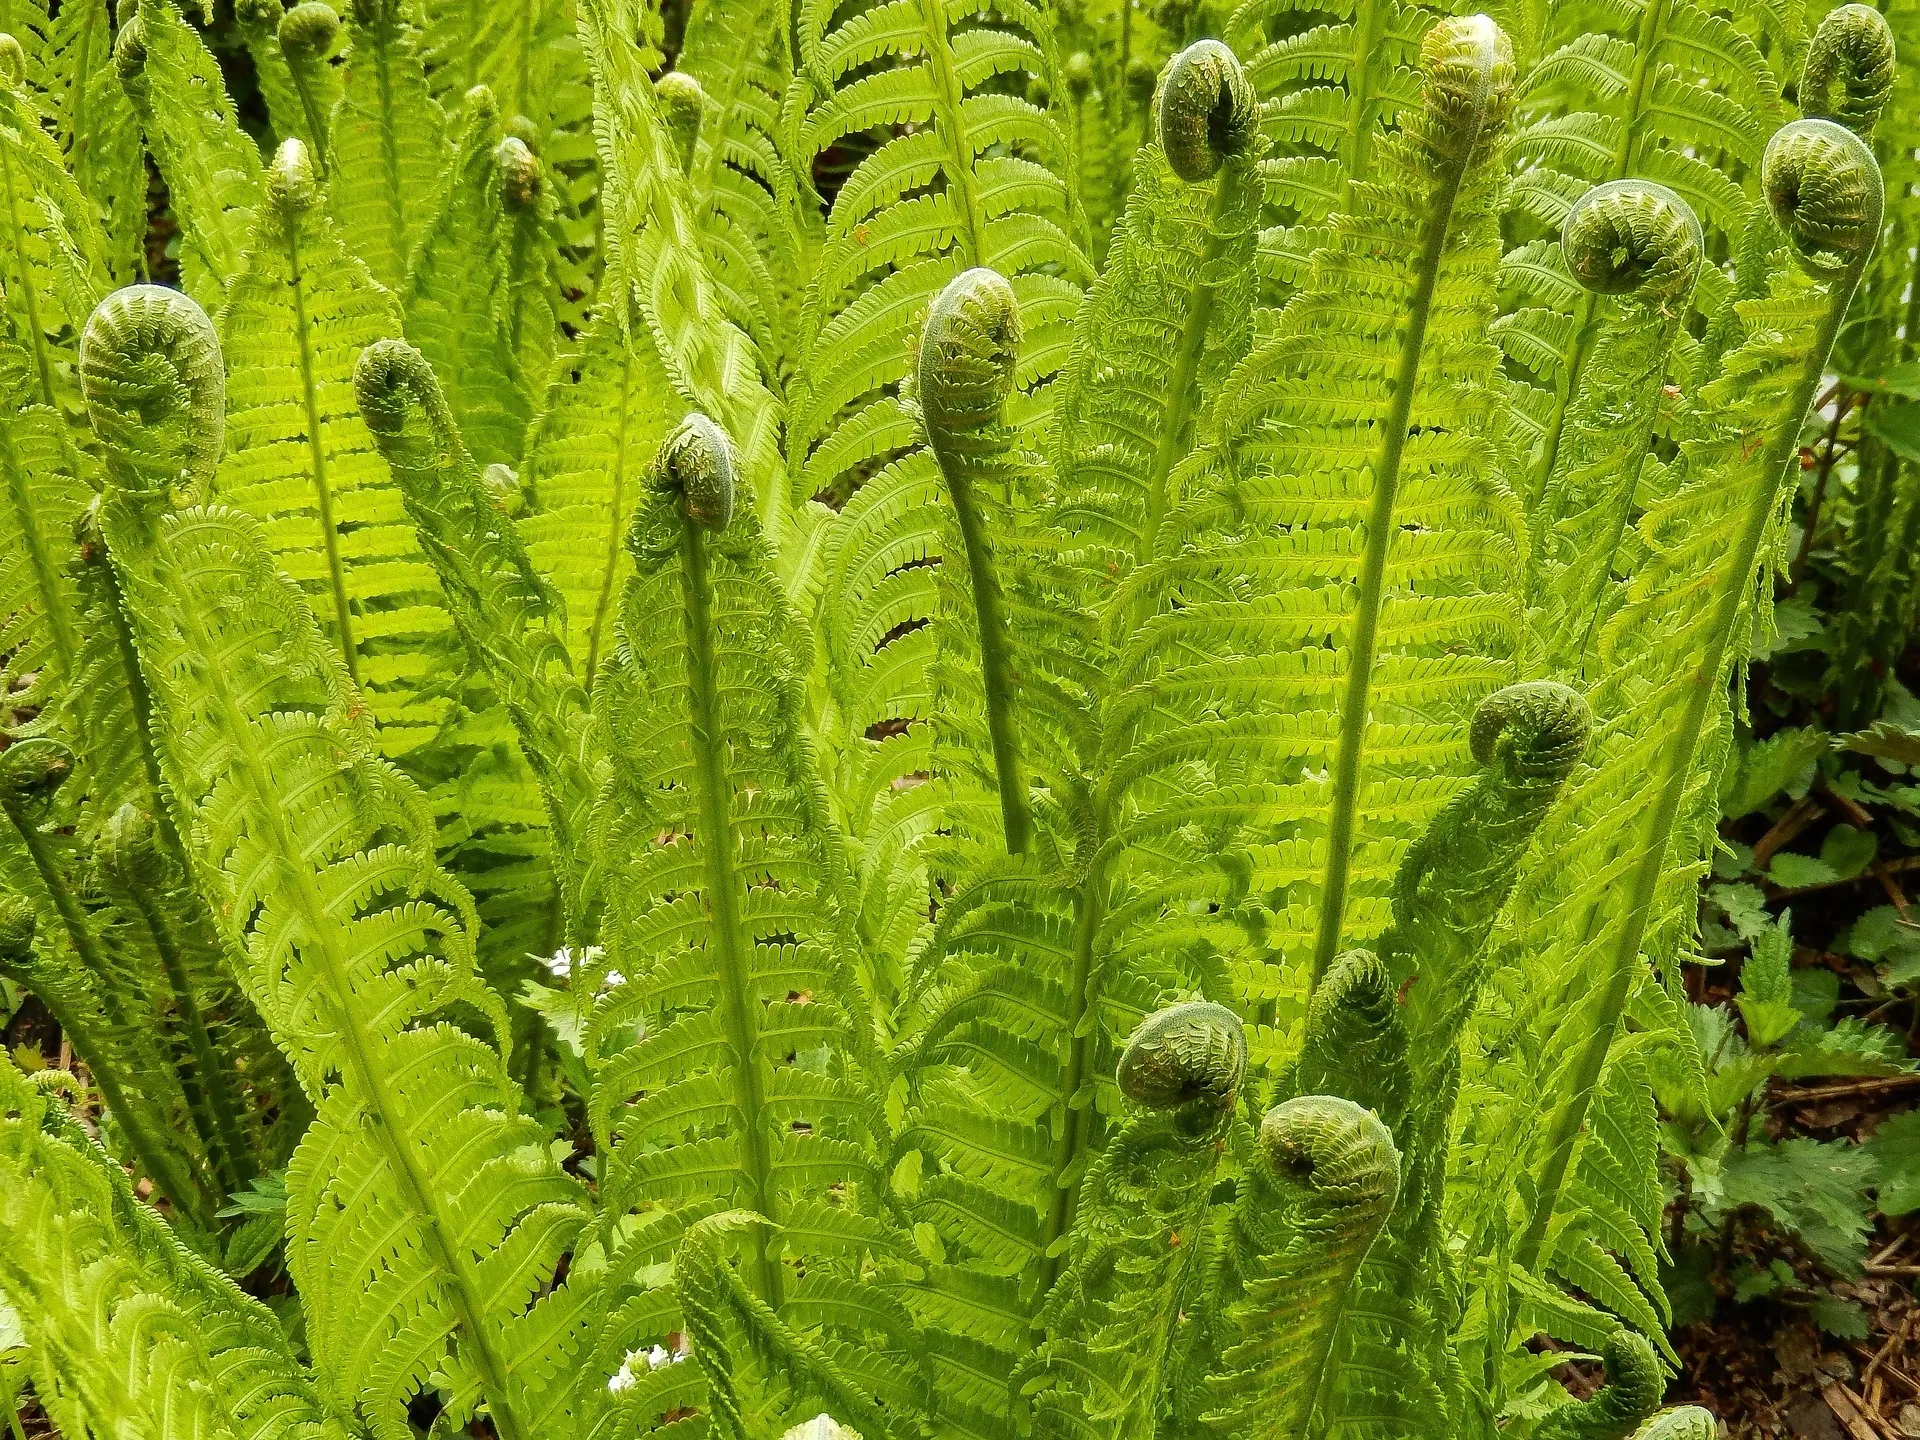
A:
x: 625, y: 1378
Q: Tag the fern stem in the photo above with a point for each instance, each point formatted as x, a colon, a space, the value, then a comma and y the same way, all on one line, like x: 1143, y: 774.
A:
x: 723, y: 885
x: 1704, y: 681
x: 948, y: 97
x: 207, y: 1082
x: 46, y: 579
x: 291, y: 200
x: 616, y: 510
x: 1072, y: 1142
x: 396, y: 206
x: 1441, y: 200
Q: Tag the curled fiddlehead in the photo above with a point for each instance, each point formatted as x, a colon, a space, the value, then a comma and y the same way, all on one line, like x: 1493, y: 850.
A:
x: 1688, y: 1422
x: 683, y: 105
x: 307, y: 34
x: 1206, y: 111
x: 1356, y: 1043
x: 128, y: 850
x: 130, y: 55
x: 1311, y: 1207
x: 1848, y: 75
x: 13, y: 61
x: 1536, y: 731
x: 1110, y: 1319
x: 697, y: 461
x: 1634, y: 1386
x: 962, y: 380
x: 31, y: 770
x: 155, y: 388
x: 1188, y: 1053
x: 1632, y: 237
x: 1825, y: 189
x: 521, y: 177
x: 389, y: 379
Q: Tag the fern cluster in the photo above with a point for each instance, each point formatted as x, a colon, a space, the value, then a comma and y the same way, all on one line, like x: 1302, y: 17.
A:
x: 899, y: 719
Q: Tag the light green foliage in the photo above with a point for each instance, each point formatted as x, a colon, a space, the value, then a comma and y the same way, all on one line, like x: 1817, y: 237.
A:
x: 389, y: 146
x: 212, y: 169
x: 795, y: 775
x: 94, y: 1273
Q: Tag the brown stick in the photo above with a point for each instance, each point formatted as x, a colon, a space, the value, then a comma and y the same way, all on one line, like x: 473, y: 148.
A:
x: 1854, y: 1087
x: 1802, y: 813
x: 1851, y: 1411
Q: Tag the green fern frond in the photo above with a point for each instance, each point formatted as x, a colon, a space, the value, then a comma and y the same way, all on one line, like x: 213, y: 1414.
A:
x: 355, y: 947
x: 126, y: 1328
x: 42, y: 497
x: 1633, y: 1390
x: 1112, y: 1318
x: 212, y: 169
x: 526, y: 55
x: 1689, y: 1422
x: 606, y: 414
x: 1662, y: 705
x: 1329, y: 705
x: 1640, y: 242
x: 457, y: 292
x: 97, y: 128
x: 511, y: 621
x: 389, y: 143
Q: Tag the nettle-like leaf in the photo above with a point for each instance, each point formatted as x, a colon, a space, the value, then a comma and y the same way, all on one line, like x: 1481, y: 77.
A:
x: 357, y: 949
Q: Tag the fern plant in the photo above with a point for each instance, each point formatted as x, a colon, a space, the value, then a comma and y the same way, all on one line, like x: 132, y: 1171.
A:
x: 761, y: 801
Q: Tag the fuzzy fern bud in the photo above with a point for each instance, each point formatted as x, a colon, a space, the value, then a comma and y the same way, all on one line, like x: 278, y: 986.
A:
x: 502, y: 485
x: 155, y: 388
x: 1467, y: 62
x: 1206, y: 111
x: 31, y: 770
x: 18, y: 923
x: 683, y: 106
x: 308, y: 30
x: 258, y: 14
x: 13, y: 61
x: 967, y: 356
x: 128, y: 850
x: 130, y: 56
x: 1078, y: 73
x: 1632, y: 237
x: 1195, y: 1053
x: 291, y: 183
x: 1333, y: 1155
x: 1536, y: 731
x: 1632, y: 1392
x: 1848, y: 76
x: 522, y: 180
x: 1824, y: 187
x: 697, y: 461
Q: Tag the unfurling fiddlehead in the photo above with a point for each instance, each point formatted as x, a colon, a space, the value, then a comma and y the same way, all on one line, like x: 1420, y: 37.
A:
x: 1110, y: 1319
x: 1825, y: 189
x: 13, y: 61
x: 1206, y: 110
x: 1634, y: 1386
x: 683, y: 106
x: 1632, y: 237
x: 964, y: 375
x: 307, y: 33
x: 155, y: 388
x: 1848, y: 75
x: 697, y: 461
x: 1309, y: 1212
x: 1642, y: 242
x: 521, y: 176
x: 509, y: 618
x: 1183, y: 1055
x: 1356, y: 1043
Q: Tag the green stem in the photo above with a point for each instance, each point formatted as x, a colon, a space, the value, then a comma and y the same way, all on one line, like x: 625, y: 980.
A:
x: 996, y: 657
x: 311, y: 110
x: 207, y: 1082
x: 1703, y: 681
x: 948, y: 99
x: 1386, y: 479
x: 1071, y: 1142
x: 317, y: 451
x: 724, y: 888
